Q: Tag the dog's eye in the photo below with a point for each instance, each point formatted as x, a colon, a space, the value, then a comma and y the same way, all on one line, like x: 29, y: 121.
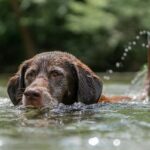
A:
x: 31, y: 74
x: 55, y: 74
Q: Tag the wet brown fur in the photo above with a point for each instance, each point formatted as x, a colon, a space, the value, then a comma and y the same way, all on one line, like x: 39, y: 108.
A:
x: 89, y: 86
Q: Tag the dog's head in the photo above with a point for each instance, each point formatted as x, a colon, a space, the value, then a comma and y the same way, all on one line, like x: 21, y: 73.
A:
x: 54, y: 77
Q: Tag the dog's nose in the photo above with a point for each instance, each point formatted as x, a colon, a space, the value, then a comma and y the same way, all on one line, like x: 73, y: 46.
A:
x: 32, y: 94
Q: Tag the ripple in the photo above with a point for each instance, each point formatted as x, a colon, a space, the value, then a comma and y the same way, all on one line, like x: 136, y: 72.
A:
x: 98, y: 126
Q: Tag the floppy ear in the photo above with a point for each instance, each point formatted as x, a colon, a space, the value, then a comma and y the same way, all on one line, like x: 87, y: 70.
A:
x: 16, y: 85
x: 89, y: 85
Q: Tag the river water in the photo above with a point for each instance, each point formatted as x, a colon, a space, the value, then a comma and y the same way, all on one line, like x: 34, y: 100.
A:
x: 77, y: 127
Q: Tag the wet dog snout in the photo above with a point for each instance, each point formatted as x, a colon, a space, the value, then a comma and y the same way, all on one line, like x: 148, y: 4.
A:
x: 32, y: 94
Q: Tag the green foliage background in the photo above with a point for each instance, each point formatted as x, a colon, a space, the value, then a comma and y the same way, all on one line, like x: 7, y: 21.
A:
x: 96, y: 31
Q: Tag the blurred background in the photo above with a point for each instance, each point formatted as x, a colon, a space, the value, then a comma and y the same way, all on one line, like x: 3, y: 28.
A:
x: 96, y: 31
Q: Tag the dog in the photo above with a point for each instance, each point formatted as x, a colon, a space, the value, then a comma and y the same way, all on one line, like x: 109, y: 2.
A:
x: 51, y: 78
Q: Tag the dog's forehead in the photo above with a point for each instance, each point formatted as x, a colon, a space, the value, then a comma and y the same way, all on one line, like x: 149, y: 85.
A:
x: 53, y: 58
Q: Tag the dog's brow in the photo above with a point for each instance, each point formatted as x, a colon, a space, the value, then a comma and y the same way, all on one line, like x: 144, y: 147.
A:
x: 33, y: 68
x: 56, y: 69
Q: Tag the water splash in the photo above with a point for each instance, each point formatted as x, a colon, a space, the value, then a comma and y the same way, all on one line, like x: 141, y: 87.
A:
x: 116, y: 142
x: 110, y: 71
x: 127, y: 49
x: 93, y: 141
x: 137, y: 87
x: 134, y: 43
x: 122, y: 58
x: 143, y: 45
x: 124, y: 54
x: 106, y: 77
x: 118, y: 64
x: 137, y: 37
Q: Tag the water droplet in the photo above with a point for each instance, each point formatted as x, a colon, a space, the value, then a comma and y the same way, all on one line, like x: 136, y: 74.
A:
x: 129, y: 47
x: 126, y: 50
x: 110, y: 71
x: 122, y: 58
x: 134, y: 43
x: 143, y: 45
x: 117, y: 64
x: 134, y: 97
x: 141, y: 32
x: 93, y: 141
x: 137, y: 37
x: 106, y: 77
x: 148, y: 32
x: 124, y: 54
x: 144, y: 31
x: 116, y: 142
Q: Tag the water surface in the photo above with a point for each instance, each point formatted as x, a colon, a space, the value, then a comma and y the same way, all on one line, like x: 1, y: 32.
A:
x: 78, y: 127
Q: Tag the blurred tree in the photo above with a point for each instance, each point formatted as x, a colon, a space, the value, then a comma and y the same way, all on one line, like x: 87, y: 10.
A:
x: 26, y: 35
x: 94, y: 30
x: 118, y: 21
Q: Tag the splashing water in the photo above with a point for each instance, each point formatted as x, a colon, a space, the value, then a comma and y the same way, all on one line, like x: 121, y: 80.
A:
x: 118, y: 64
x: 137, y: 37
x: 110, y: 71
x: 137, y: 87
x: 128, y: 48
x: 106, y: 77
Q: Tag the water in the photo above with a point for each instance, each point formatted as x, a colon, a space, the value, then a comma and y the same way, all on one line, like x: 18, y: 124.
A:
x: 77, y: 127
x: 129, y: 47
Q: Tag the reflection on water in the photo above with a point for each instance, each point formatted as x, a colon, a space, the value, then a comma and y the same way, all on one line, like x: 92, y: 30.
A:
x: 98, y: 126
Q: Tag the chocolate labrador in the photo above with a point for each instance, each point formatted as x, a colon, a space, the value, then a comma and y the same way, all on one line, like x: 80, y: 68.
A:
x: 56, y: 77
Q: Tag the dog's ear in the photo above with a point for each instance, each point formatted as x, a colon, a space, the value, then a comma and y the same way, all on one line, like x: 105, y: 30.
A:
x: 89, y: 87
x: 16, y: 84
